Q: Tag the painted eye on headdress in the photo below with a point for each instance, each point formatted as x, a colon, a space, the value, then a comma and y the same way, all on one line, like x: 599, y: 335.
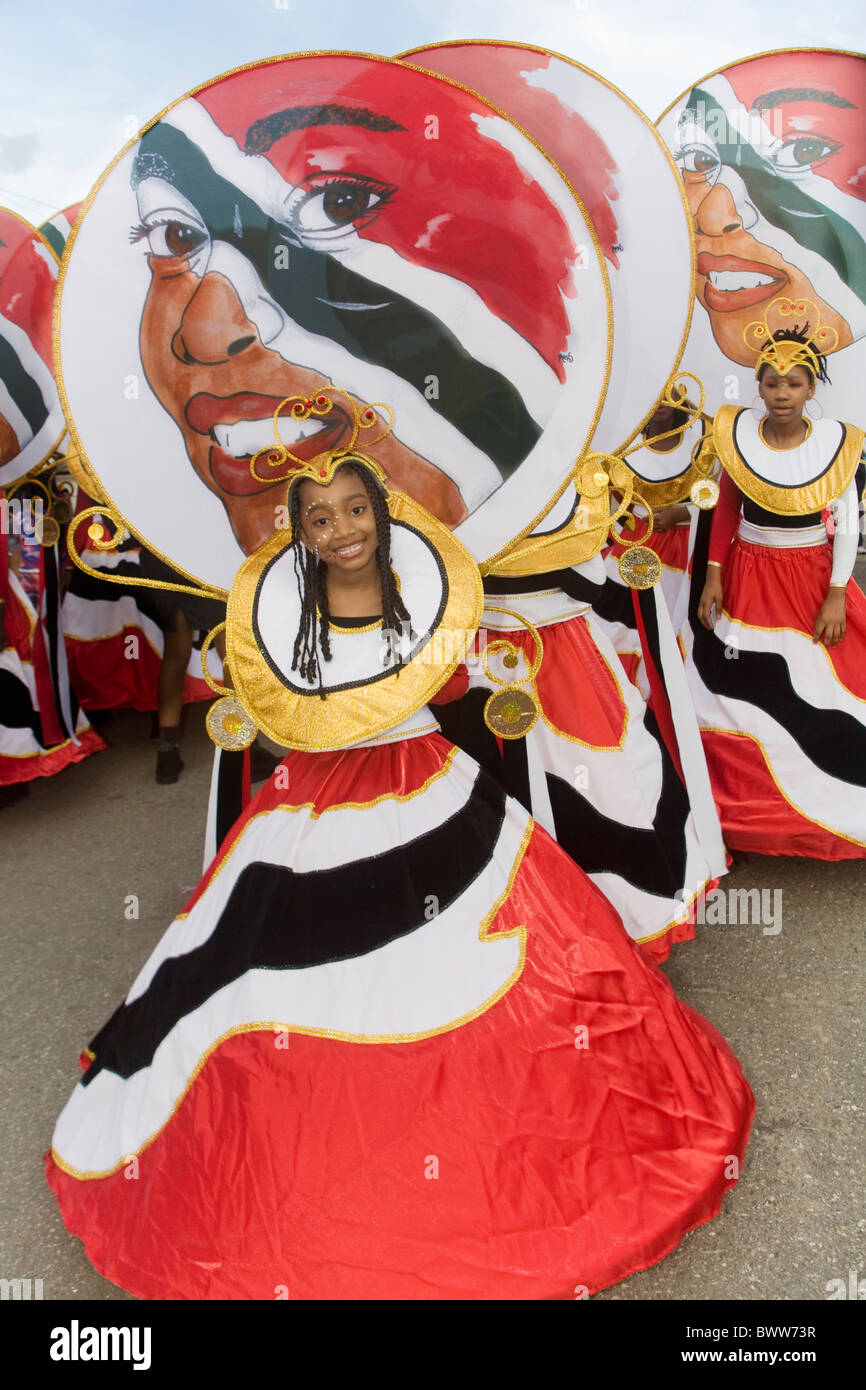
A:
x: 698, y: 162
x: 333, y: 205
x: 803, y: 151
x: 170, y: 234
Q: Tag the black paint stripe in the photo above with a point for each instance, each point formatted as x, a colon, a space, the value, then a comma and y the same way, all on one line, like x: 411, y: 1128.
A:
x: 22, y: 387
x: 401, y: 337
x: 277, y: 919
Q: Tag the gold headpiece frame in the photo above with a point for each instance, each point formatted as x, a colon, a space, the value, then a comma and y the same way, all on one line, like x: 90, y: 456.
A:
x: 323, y: 466
x: 783, y: 356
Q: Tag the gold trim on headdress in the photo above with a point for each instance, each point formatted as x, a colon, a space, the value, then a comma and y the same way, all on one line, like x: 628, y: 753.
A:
x: 782, y: 356
x: 323, y: 466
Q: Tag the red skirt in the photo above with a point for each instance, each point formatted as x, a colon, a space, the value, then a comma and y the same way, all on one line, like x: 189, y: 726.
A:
x: 365, y: 1065
x: 783, y: 719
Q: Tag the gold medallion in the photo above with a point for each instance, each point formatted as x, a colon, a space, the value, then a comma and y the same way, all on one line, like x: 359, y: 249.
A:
x: 46, y: 531
x: 704, y: 492
x: 640, y: 567
x: 229, y: 725
x: 510, y: 713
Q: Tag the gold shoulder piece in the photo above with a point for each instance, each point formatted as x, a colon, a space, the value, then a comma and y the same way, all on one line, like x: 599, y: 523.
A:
x: 786, y: 501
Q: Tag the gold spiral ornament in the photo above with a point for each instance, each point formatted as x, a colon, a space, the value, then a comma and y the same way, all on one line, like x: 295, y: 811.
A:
x: 640, y: 567
x: 229, y: 726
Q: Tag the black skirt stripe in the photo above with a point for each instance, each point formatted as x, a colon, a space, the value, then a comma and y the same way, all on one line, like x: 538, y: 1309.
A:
x: 831, y: 739
x: 16, y: 707
x: 277, y: 919
x: 54, y: 635
x: 652, y: 860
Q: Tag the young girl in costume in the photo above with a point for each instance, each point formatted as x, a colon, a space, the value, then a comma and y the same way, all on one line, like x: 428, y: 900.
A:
x: 42, y: 729
x: 665, y: 475
x: 396, y: 1045
x: 778, y: 635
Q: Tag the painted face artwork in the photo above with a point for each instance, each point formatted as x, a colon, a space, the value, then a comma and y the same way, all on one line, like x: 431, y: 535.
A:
x: 773, y: 157
x: 622, y: 172
x: 31, y: 420
x: 346, y: 221
x: 56, y: 230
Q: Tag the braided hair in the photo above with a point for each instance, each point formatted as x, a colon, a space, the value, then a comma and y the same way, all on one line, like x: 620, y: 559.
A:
x: 800, y: 335
x: 312, y: 578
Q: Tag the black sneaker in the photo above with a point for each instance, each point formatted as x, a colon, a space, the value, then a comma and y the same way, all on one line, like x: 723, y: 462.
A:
x: 169, y: 766
x: 13, y: 793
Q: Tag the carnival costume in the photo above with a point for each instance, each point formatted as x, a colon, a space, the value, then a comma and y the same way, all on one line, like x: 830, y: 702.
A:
x: 396, y: 1046
x: 782, y: 716
x: 114, y: 631
x: 622, y: 785
x: 42, y: 729
x: 666, y: 478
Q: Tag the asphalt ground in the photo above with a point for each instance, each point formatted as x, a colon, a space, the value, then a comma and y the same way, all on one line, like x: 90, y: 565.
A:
x: 789, y: 1003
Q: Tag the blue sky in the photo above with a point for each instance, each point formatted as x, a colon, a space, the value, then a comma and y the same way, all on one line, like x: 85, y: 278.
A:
x: 80, y: 78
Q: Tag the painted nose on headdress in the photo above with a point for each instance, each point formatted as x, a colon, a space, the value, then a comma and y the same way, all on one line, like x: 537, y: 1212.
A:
x: 214, y: 327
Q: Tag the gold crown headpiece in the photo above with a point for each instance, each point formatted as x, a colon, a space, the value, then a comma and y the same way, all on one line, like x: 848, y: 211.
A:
x: 782, y: 356
x: 322, y: 466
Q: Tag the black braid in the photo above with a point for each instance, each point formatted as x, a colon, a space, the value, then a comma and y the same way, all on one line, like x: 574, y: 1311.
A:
x: 800, y: 335
x: 305, y: 656
x: 324, y: 610
x: 312, y: 579
x: 394, y: 611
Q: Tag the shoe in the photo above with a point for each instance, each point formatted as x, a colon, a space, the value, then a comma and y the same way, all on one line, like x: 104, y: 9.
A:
x: 13, y: 793
x: 169, y: 766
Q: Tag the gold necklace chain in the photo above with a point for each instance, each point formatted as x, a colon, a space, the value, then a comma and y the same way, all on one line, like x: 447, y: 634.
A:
x: 775, y: 447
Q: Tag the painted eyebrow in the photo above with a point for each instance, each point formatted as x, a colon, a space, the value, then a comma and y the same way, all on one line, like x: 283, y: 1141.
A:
x: 354, y: 497
x: 266, y: 132
x: 789, y: 94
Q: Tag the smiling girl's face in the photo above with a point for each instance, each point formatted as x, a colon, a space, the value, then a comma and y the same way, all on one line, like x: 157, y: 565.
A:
x: 338, y: 524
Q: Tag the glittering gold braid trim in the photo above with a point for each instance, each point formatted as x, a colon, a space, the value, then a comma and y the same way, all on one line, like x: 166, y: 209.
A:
x: 322, y: 468
x: 676, y: 396
x: 96, y: 535
x: 758, y: 337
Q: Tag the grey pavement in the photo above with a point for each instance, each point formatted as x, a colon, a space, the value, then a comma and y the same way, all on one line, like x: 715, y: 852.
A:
x: 790, y: 1005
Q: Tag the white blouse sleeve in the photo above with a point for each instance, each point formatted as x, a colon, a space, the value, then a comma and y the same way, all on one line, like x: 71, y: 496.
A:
x: 846, y: 537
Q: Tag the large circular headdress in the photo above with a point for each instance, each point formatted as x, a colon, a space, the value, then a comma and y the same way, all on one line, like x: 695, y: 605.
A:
x: 624, y: 175
x: 31, y: 420
x: 772, y: 151
x: 334, y: 217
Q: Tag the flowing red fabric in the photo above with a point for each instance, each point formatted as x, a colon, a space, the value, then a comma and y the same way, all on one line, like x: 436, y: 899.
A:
x: 564, y: 1138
